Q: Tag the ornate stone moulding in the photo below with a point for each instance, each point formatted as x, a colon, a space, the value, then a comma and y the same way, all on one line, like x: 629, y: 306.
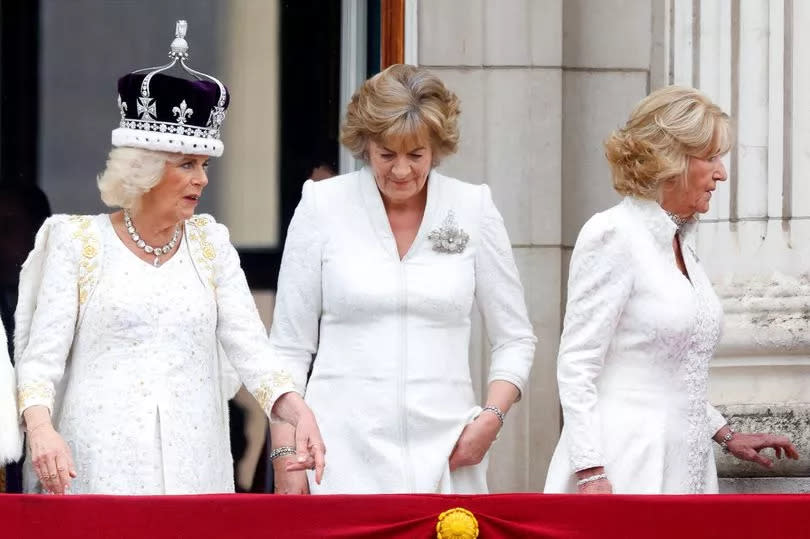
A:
x: 766, y: 316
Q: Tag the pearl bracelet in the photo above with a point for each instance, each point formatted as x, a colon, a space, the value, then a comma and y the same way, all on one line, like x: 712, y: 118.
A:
x: 282, y: 451
x: 591, y: 478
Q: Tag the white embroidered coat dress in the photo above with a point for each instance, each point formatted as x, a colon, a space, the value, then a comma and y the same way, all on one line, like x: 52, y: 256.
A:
x: 634, y: 357
x: 390, y: 384
x: 126, y: 356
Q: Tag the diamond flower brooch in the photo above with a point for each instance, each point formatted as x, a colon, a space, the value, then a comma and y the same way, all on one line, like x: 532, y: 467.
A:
x: 449, y: 238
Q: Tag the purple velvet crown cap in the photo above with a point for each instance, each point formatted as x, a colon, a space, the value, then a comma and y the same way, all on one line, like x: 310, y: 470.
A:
x: 164, y: 113
x: 201, y: 97
x: 178, y: 116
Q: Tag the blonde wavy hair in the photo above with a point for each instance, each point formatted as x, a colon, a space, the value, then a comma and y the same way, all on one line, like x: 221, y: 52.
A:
x: 665, y: 129
x: 130, y: 173
x: 403, y: 102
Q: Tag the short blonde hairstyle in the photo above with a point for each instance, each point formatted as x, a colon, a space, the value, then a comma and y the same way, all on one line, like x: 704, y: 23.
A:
x: 130, y: 173
x: 665, y: 129
x: 402, y: 102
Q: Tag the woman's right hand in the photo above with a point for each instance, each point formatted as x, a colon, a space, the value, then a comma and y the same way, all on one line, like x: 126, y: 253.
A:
x: 51, y: 458
x: 289, y: 482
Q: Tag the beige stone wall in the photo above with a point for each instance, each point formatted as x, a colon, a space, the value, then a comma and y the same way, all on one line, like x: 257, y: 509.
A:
x: 249, y: 199
x: 504, y: 59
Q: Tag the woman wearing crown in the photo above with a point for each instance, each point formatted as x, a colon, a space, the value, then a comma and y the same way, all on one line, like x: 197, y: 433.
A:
x: 123, y: 317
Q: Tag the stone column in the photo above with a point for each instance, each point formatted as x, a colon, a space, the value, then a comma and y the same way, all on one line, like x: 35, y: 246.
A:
x: 248, y: 178
x: 605, y: 73
x: 503, y: 59
x: 750, y: 58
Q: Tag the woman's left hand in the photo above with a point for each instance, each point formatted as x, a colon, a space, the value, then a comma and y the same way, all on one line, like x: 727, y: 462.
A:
x: 747, y: 447
x: 475, y: 441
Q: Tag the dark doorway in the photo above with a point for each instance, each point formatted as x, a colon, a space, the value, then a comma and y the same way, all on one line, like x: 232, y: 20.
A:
x: 19, y: 87
x: 310, y: 93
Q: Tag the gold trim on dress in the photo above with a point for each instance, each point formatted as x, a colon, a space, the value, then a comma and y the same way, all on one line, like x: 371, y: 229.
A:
x: 38, y: 392
x: 88, y: 265
x: 206, y: 253
x: 280, y: 379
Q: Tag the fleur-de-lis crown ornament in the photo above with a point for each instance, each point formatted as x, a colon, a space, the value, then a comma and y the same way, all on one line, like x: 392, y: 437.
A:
x: 122, y: 107
x: 168, y: 113
x: 182, y: 112
x: 449, y: 238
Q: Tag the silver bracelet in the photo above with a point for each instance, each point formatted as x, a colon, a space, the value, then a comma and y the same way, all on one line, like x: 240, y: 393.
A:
x: 591, y: 478
x: 495, y: 410
x: 282, y: 451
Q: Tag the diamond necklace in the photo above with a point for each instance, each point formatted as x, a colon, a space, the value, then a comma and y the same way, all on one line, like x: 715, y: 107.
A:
x: 679, y: 221
x: 157, y: 251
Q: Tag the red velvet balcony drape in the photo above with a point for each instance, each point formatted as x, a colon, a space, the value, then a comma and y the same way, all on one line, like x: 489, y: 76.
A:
x: 404, y: 516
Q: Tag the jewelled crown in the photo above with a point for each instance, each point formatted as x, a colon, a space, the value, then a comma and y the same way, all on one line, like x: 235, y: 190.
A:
x: 171, y: 114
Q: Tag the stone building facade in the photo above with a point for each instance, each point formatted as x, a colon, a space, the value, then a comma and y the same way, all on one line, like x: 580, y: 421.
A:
x: 542, y: 83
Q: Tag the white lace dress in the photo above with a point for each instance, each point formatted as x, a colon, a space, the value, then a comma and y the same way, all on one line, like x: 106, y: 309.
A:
x: 135, y: 391
x: 634, y: 358
x: 391, y: 385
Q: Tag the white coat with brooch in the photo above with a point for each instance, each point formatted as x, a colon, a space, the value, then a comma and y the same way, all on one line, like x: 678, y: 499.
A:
x: 391, y: 386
